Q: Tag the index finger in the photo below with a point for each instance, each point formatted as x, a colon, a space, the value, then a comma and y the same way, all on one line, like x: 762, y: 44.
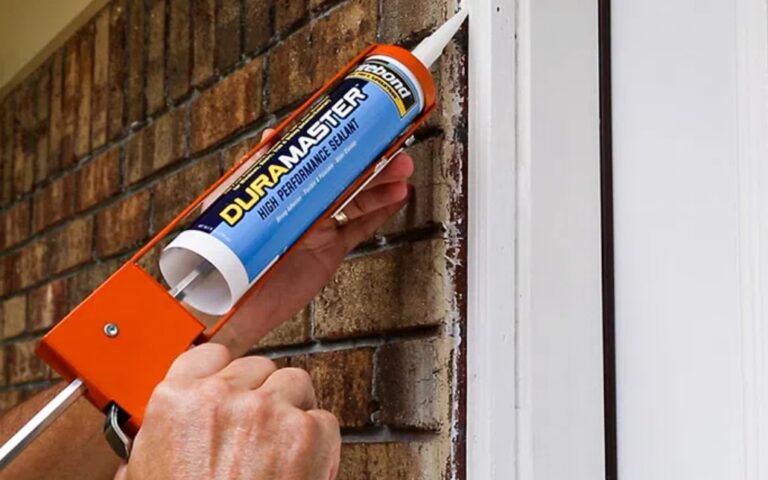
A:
x: 401, y: 168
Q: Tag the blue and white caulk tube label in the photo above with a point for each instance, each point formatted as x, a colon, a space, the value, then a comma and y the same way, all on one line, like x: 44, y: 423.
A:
x: 267, y: 209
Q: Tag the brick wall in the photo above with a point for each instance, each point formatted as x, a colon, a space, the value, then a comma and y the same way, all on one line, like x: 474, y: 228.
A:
x: 145, y: 106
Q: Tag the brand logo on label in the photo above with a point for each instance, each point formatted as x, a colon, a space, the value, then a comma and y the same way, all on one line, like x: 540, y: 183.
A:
x: 387, y: 75
x: 290, y: 152
x: 390, y: 80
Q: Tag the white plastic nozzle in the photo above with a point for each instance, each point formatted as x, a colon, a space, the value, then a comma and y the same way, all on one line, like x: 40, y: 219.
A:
x: 430, y: 49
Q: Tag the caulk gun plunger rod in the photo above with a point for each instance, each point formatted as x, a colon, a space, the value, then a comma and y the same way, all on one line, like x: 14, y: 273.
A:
x: 42, y: 419
x: 179, y: 291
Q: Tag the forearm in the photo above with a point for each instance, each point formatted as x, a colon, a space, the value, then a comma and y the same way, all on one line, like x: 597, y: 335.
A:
x: 72, y: 448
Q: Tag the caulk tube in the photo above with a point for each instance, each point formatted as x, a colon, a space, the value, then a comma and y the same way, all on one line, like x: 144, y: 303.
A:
x: 245, y: 231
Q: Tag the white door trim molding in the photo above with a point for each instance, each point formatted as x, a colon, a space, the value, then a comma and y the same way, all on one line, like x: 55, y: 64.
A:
x: 535, y: 377
x: 492, y: 285
x: 752, y: 117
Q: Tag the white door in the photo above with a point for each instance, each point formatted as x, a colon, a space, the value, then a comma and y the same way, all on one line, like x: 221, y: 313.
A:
x: 691, y: 238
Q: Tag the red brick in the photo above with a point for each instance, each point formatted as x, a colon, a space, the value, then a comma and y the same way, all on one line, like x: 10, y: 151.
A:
x: 15, y: 224
x: 85, y: 281
x: 396, y: 289
x: 10, y: 270
x: 257, y: 25
x: 8, y: 276
x: 289, y: 12
x: 402, y: 461
x: 340, y: 36
x: 157, y: 146
x: 139, y: 151
x: 343, y: 383
x: 139, y: 155
x: 122, y: 225
x: 203, y: 40
x: 25, y: 104
x: 43, y: 91
x: 25, y: 143
x: 53, y: 203
x: 6, y: 151
x: 71, y: 246
x: 32, y: 265
x: 3, y: 380
x: 178, y: 48
x: 14, y: 316
x: 85, y: 87
x: 47, y: 305
x: 155, y: 89
x: 100, y: 78
x: 414, y: 384
x: 41, y: 156
x: 296, y: 331
x: 230, y: 105
x: 23, y: 162
x: 70, y: 101
x: 43, y: 94
x: 117, y: 68
x: 430, y: 199
x: 173, y: 193
x: 9, y: 398
x: 99, y: 179
x: 22, y: 363
x: 56, y: 125
x: 228, y: 45
x: 405, y: 19
x: 291, y: 70
x: 136, y: 71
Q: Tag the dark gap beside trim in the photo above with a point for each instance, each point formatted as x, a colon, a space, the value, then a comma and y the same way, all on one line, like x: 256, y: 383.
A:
x: 606, y: 189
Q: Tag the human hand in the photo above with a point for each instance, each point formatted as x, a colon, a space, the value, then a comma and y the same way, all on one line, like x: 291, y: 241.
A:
x: 213, y: 418
x: 299, y: 277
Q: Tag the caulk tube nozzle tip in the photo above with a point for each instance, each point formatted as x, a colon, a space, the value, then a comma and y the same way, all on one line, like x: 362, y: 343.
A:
x: 430, y: 49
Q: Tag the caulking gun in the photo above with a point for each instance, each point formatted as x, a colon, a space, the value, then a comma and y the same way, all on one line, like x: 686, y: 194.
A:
x: 118, y: 344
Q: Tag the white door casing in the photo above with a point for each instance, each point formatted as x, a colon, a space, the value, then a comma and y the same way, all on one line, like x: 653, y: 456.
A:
x: 535, y: 385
